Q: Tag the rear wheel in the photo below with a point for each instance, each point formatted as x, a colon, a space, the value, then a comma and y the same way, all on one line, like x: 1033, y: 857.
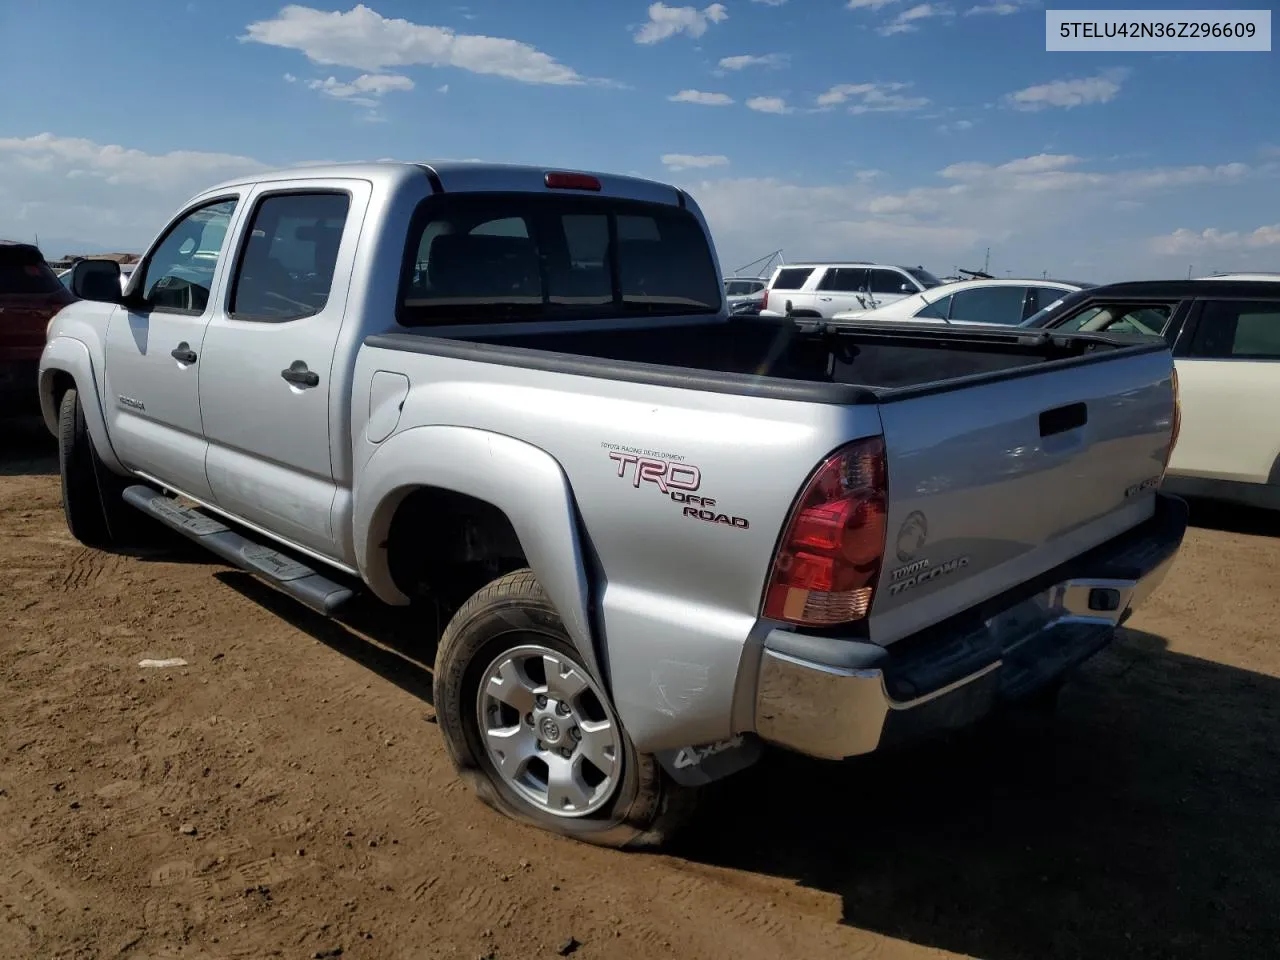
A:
x: 534, y: 733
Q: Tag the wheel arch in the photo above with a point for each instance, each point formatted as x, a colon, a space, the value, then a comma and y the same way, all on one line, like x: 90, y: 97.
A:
x: 67, y: 363
x: 517, y: 484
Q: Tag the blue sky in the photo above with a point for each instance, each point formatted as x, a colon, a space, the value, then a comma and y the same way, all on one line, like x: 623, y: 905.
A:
x: 878, y: 129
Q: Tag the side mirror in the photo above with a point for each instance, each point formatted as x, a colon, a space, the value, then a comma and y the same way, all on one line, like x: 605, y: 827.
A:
x: 906, y: 288
x: 96, y: 280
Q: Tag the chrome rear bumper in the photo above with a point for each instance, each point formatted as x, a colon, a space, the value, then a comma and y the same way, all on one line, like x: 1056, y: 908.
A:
x: 834, y: 698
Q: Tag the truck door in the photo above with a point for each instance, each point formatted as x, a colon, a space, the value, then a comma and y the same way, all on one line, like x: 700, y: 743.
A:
x: 155, y: 349
x: 276, y: 409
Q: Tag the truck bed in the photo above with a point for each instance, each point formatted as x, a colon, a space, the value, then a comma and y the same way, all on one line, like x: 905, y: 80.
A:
x: 853, y: 363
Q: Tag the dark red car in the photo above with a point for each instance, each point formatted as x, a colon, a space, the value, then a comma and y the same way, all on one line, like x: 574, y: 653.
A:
x: 30, y: 294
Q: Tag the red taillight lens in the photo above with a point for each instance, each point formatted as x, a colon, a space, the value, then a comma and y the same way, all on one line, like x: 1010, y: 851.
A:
x: 571, y: 181
x: 829, y: 559
x: 764, y: 303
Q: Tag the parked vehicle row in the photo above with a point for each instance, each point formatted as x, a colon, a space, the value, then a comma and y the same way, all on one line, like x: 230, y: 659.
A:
x: 812, y: 289
x: 1004, y: 301
x: 661, y: 536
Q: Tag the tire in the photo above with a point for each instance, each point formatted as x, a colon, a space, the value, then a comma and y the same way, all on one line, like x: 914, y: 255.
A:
x: 77, y: 462
x: 512, y: 614
x: 92, y: 503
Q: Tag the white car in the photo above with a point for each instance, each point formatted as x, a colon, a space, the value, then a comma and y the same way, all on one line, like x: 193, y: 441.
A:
x: 1225, y: 335
x: 1004, y: 301
x: 817, y: 289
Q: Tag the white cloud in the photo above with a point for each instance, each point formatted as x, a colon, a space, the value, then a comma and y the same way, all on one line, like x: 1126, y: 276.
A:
x: 906, y: 21
x: 1001, y: 8
x: 693, y: 161
x: 290, y: 78
x: 1036, y: 211
x: 1077, y: 92
x: 443, y: 88
x: 364, y: 89
x: 665, y: 22
x: 701, y: 97
x: 956, y: 126
x: 364, y: 39
x: 80, y: 190
x: 870, y: 98
x: 742, y: 61
x: 769, y: 105
x: 1183, y: 241
x: 770, y: 3
x: 869, y: 4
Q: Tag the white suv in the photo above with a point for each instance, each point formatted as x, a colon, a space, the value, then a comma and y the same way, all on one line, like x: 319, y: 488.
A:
x: 824, y: 289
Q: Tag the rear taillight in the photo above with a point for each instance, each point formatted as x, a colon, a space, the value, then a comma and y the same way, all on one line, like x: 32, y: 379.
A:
x: 764, y: 304
x: 829, y: 558
x: 1177, y: 422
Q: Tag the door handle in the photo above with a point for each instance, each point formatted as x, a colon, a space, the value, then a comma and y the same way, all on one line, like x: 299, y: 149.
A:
x: 183, y: 353
x: 298, y: 374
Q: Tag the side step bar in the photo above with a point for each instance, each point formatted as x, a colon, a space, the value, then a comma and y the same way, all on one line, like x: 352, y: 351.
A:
x: 283, y: 572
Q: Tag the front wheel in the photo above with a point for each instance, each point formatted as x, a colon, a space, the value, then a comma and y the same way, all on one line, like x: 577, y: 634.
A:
x: 534, y: 733
x: 92, y: 501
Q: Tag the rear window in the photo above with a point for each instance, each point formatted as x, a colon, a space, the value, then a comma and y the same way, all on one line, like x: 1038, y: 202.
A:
x: 478, y: 258
x: 23, y: 270
x: 792, y: 278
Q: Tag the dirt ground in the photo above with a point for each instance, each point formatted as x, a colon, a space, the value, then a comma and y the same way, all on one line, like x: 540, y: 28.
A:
x: 286, y: 793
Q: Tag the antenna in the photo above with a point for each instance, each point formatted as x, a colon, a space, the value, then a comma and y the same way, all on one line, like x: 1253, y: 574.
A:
x: 1189, y: 266
x: 986, y: 264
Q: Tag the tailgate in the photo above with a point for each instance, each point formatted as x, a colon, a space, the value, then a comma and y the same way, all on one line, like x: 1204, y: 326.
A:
x: 993, y: 484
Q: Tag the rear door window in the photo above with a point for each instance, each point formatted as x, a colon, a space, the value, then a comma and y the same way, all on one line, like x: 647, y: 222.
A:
x: 792, y: 278
x: 989, y: 305
x: 503, y: 257
x: 286, y: 269
x: 23, y: 271
x: 844, y: 279
x: 1237, y: 330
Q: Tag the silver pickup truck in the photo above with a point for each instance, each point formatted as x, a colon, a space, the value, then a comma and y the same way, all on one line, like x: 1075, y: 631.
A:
x: 661, y: 536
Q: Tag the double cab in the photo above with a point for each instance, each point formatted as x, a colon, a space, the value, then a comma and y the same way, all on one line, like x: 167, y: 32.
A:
x: 660, y: 536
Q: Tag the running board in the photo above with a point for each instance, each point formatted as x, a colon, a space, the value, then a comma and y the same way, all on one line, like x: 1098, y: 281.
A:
x: 283, y: 572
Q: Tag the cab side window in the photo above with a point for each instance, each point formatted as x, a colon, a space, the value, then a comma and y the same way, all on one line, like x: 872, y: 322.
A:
x: 1237, y: 330
x: 178, y: 275
x: 286, y: 267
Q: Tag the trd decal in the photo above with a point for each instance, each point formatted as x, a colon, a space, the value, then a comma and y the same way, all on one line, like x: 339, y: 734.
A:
x: 673, y: 478
x: 663, y: 473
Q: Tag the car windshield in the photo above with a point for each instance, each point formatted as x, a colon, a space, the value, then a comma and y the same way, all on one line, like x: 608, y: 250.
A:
x: 925, y: 278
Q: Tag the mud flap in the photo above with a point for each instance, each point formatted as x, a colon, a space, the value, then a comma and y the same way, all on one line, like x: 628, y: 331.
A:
x: 697, y: 766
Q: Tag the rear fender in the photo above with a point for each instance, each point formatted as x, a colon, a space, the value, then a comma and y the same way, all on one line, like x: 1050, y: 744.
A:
x: 72, y: 357
x: 523, y: 481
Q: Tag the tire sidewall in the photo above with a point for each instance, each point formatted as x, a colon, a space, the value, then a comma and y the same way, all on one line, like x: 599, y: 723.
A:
x: 483, y: 634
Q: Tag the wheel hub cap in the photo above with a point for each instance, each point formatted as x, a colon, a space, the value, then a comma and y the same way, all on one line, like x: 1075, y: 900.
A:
x: 548, y: 731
